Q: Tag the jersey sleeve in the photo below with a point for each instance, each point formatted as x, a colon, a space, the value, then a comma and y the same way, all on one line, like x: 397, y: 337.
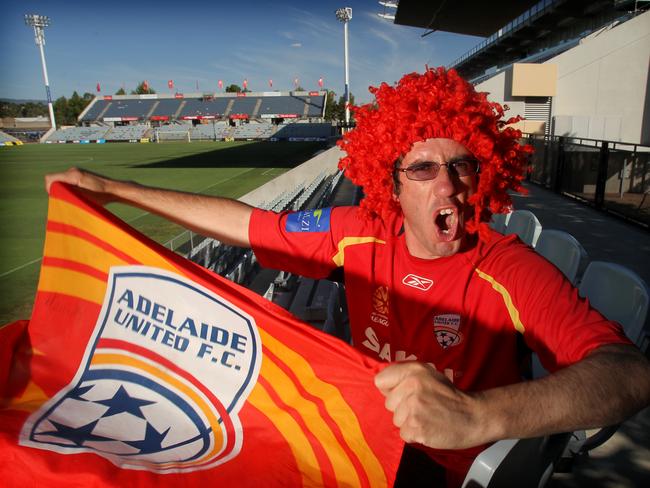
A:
x: 557, y: 324
x: 303, y: 242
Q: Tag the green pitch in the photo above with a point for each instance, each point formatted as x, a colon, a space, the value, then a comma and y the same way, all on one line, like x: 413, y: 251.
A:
x: 229, y: 169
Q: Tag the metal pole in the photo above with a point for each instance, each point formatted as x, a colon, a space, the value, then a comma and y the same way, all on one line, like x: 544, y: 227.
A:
x: 345, y: 15
x: 39, y: 22
x: 347, y: 74
x: 47, y: 84
x: 601, y: 178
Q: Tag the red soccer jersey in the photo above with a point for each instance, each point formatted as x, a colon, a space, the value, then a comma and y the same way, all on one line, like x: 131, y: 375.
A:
x: 462, y: 313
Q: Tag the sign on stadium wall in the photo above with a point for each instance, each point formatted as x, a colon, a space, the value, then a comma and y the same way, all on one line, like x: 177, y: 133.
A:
x: 159, y: 117
x: 179, y: 95
x: 239, y: 116
x: 279, y: 116
x: 112, y: 119
x: 148, y: 95
x: 198, y: 117
x: 241, y: 94
x: 108, y: 97
x: 314, y: 94
x: 128, y: 119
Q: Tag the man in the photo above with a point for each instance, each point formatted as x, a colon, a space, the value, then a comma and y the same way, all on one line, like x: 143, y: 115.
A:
x: 430, y: 287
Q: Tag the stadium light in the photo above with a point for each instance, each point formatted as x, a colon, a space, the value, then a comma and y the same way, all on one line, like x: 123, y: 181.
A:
x: 345, y: 15
x: 39, y: 22
x: 388, y: 5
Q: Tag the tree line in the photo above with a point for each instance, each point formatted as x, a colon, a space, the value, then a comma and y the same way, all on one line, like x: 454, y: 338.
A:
x: 335, y: 111
x: 67, y: 110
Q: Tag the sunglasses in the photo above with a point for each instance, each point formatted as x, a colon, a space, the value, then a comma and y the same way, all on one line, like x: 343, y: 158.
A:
x: 428, y: 170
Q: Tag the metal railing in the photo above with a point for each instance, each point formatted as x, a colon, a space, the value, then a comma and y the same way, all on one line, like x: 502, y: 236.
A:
x: 609, y: 175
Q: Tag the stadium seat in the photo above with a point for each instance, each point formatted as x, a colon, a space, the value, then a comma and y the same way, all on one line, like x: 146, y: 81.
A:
x: 564, y: 251
x: 619, y: 294
x: 515, y: 463
x: 499, y: 221
x: 525, y: 225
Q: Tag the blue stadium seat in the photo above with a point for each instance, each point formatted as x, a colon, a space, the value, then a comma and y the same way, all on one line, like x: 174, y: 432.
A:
x: 564, y: 251
x: 525, y: 225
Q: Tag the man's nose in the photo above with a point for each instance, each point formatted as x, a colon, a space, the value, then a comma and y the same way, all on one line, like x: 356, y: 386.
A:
x: 446, y: 183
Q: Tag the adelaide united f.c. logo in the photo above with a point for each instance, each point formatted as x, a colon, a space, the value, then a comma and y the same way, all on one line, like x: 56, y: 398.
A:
x: 166, y: 371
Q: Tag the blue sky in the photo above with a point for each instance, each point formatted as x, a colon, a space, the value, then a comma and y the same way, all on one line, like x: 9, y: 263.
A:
x: 120, y: 43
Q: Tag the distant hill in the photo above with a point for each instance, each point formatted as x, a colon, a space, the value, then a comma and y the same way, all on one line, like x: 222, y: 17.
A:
x: 19, y: 101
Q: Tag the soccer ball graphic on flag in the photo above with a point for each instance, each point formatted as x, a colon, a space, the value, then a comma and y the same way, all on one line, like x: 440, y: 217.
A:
x: 128, y: 423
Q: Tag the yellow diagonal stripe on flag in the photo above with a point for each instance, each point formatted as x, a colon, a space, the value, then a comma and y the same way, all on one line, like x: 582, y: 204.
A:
x: 67, y: 213
x: 122, y: 360
x: 73, y: 283
x: 293, y: 434
x: 289, y: 394
x: 335, y: 404
x: 77, y: 249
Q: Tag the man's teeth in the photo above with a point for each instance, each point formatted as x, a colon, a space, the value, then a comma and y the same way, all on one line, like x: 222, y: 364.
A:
x: 445, y: 212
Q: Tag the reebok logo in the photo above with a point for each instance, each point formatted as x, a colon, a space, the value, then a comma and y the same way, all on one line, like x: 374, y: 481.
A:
x: 417, y: 282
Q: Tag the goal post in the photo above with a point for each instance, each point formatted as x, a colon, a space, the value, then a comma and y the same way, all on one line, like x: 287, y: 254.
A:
x: 181, y: 135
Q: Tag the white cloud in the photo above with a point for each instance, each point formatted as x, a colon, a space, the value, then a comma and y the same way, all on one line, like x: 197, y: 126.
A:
x: 296, y: 44
x: 384, y: 37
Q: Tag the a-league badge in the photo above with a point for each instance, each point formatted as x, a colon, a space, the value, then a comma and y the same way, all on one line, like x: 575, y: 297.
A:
x: 446, y: 328
x: 165, y: 373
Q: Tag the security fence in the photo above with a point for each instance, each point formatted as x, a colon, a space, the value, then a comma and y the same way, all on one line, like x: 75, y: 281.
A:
x: 611, y: 176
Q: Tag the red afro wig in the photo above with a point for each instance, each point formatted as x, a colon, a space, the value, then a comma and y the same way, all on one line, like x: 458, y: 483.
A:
x: 436, y: 104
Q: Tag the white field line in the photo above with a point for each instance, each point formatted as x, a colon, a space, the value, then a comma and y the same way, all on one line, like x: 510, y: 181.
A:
x: 19, y: 267
x: 129, y: 221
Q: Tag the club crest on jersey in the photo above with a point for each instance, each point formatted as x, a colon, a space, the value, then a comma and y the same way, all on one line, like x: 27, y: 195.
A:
x: 166, y: 371
x: 446, y: 328
x: 418, y: 282
x: 380, y: 300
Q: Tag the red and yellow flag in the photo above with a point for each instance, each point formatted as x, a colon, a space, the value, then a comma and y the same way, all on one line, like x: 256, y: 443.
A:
x: 141, y: 368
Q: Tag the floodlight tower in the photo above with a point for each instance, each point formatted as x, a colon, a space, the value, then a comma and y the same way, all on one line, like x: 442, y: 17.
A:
x: 39, y: 22
x: 345, y: 15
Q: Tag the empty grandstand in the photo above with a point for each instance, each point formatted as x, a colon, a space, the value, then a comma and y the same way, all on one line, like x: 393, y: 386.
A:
x: 201, y: 116
x: 24, y: 129
x: 7, y: 140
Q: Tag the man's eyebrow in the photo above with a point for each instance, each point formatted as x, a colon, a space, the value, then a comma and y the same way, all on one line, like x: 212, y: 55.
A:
x: 467, y: 157
x: 455, y: 159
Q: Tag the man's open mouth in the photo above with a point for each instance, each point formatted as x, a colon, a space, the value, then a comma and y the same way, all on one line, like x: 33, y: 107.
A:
x: 446, y: 222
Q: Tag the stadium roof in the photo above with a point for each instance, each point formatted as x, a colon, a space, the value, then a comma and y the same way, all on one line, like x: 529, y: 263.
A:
x: 473, y: 17
x: 517, y: 29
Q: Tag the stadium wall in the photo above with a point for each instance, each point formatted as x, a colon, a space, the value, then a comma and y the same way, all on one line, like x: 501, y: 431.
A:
x: 326, y: 161
x: 603, y: 85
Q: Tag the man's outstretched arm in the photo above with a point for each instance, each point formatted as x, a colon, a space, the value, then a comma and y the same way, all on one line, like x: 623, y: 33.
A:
x: 606, y: 387
x: 221, y: 218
